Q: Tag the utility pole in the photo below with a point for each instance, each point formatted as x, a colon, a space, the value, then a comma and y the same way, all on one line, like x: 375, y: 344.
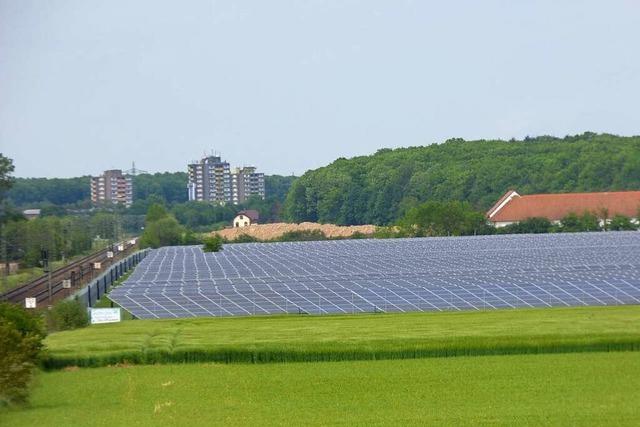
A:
x: 45, y: 265
x: 64, y: 244
x: 3, y: 235
x: 116, y: 233
x: 5, y: 257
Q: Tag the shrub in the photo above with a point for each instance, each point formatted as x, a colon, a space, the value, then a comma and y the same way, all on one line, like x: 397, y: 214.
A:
x: 67, y: 314
x: 358, y: 235
x: 245, y: 238
x: 586, y: 222
x: 190, y: 238
x: 21, y: 335
x: 302, y: 236
x: 451, y: 218
x: 212, y: 243
x: 530, y: 225
x: 25, y: 322
x: 621, y: 223
x: 387, y: 233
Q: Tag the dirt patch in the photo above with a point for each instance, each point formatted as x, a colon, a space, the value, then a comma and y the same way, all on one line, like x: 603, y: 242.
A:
x: 159, y: 406
x: 123, y: 365
x: 275, y: 230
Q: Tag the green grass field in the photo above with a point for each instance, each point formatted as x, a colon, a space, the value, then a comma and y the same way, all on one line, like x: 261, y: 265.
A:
x: 359, y: 337
x: 554, y: 389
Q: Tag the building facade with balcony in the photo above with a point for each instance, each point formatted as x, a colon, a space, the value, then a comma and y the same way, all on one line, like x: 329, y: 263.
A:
x: 246, y: 183
x: 210, y: 180
x: 112, y: 187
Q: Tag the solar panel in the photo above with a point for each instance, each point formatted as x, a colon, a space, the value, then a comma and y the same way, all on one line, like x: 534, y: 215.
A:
x: 392, y: 275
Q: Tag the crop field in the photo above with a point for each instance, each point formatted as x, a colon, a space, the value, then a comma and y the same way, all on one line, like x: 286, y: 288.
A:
x: 553, y: 389
x: 349, y: 337
x: 554, y: 366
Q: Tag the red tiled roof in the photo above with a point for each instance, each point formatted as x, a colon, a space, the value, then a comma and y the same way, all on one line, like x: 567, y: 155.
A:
x: 557, y: 206
x: 501, y: 201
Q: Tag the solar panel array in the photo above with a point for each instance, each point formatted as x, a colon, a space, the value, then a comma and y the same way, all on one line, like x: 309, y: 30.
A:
x: 393, y: 275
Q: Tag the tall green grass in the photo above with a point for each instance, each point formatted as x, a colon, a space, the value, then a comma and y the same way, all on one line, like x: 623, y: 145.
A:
x: 336, y: 338
x: 555, y: 389
x: 338, y: 352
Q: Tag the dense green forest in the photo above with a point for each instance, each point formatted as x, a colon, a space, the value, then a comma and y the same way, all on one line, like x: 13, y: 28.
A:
x: 381, y: 188
x: 49, y: 191
x: 43, y: 192
x: 169, y: 186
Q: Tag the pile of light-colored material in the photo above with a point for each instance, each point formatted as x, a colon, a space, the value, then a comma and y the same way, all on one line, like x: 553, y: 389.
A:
x: 275, y: 230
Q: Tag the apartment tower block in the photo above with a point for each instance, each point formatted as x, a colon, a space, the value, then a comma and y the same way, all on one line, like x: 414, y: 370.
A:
x: 112, y: 186
x: 211, y: 180
x: 246, y: 183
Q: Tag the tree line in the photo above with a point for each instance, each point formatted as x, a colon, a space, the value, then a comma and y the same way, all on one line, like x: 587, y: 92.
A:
x: 454, y: 218
x: 60, y: 195
x: 76, y: 192
x: 63, y: 238
x: 381, y: 188
x: 69, y: 225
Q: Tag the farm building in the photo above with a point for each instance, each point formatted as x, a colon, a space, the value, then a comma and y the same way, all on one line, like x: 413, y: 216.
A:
x: 246, y: 218
x: 512, y: 207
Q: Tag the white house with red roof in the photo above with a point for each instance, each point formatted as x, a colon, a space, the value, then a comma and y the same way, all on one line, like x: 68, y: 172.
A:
x: 246, y: 218
x: 513, y: 207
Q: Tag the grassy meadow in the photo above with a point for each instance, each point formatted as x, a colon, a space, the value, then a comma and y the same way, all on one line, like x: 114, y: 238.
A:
x: 581, y: 389
x: 351, y: 337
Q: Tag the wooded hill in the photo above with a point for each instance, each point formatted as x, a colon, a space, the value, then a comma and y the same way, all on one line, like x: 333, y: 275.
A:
x: 380, y: 188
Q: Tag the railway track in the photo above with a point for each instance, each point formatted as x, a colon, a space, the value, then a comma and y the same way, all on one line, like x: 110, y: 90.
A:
x: 79, y: 272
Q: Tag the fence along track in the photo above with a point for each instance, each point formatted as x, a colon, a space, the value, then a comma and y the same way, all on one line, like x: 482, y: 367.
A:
x: 79, y: 271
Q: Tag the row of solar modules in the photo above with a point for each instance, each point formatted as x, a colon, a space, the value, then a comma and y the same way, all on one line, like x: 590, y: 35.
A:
x: 402, y: 256
x: 387, y: 275
x: 325, y: 297
x: 438, y: 277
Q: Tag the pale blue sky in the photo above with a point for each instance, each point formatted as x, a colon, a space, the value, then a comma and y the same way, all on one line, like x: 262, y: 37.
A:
x: 292, y: 85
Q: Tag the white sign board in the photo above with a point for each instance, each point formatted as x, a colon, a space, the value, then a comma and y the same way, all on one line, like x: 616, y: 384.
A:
x: 97, y: 265
x: 30, y: 303
x: 109, y: 254
x: 104, y: 315
x: 121, y: 248
x: 66, y: 284
x: 132, y: 241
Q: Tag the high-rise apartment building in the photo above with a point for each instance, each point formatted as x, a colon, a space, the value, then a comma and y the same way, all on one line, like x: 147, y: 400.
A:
x: 210, y: 180
x: 112, y: 186
x: 245, y: 183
